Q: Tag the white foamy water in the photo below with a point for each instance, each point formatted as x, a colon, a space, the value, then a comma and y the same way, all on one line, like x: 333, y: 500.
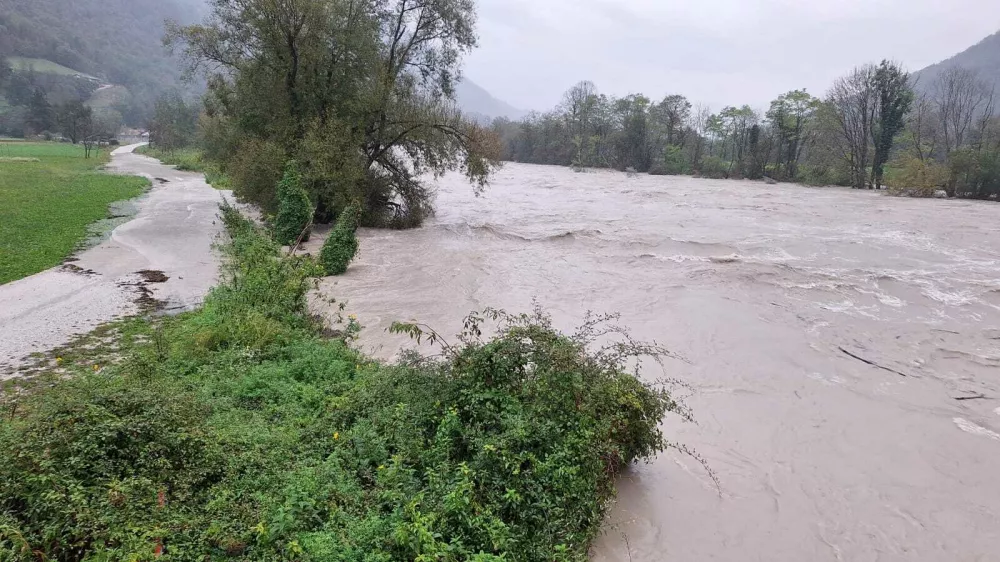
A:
x: 765, y: 290
x: 969, y: 427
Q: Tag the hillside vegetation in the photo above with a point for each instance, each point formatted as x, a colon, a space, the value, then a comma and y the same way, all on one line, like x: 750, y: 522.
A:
x: 983, y: 58
x: 117, y: 41
x: 25, y: 64
x: 480, y: 104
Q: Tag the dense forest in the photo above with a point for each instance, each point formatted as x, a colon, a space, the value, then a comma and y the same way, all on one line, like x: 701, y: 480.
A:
x: 872, y: 128
x: 54, y: 53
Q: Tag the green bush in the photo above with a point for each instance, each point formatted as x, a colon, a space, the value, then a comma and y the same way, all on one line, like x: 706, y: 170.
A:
x: 103, y: 462
x: 295, y: 211
x: 908, y: 175
x: 713, y: 167
x: 974, y: 174
x: 674, y: 163
x: 236, y: 432
x: 823, y: 175
x: 342, y: 245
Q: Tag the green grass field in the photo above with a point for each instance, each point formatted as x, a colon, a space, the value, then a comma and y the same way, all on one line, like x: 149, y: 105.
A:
x: 49, y: 193
x: 44, y: 66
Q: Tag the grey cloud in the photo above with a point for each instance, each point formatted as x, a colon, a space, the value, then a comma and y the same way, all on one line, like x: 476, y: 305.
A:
x: 715, y: 51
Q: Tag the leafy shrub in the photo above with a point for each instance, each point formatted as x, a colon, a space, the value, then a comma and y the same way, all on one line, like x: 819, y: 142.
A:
x: 302, y: 449
x: 503, y: 418
x: 823, y: 174
x: 261, y: 295
x: 103, y: 462
x: 295, y: 211
x: 713, y: 167
x: 975, y: 174
x: 342, y: 245
x: 909, y: 175
x: 674, y: 163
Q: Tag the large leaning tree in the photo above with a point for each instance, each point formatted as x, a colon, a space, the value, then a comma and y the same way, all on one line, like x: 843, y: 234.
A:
x: 360, y: 92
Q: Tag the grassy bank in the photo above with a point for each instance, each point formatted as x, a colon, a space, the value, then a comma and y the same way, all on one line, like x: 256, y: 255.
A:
x: 188, y: 160
x: 49, y: 193
x: 237, y: 432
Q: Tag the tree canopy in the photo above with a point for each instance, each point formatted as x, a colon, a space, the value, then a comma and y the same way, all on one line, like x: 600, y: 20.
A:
x: 360, y: 92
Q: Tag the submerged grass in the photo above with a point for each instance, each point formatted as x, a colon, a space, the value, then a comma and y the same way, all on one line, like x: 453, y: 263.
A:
x: 49, y: 194
x: 236, y: 432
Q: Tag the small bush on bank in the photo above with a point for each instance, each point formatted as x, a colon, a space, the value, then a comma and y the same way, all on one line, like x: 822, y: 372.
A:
x: 342, y: 245
x: 823, y: 175
x: 713, y: 167
x: 674, y: 163
x: 90, y: 459
x: 295, y: 211
x: 236, y: 433
x: 911, y: 176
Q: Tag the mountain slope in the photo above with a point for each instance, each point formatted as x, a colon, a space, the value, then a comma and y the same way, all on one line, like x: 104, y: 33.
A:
x: 118, y: 41
x: 476, y: 102
x: 983, y: 57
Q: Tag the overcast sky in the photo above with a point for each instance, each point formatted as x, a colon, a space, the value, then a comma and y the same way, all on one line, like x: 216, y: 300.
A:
x: 719, y: 52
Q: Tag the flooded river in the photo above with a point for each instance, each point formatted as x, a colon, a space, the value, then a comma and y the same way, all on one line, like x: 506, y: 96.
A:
x: 776, y: 295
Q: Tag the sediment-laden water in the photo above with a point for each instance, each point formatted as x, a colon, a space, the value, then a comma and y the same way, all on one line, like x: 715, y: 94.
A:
x: 776, y: 296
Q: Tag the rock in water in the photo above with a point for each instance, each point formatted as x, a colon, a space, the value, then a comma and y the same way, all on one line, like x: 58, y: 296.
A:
x: 940, y: 194
x: 769, y: 181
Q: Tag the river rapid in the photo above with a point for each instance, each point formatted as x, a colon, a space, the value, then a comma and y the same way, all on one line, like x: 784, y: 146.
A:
x: 774, y: 294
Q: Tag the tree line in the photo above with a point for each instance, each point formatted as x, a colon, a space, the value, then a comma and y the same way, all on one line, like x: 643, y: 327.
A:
x: 875, y: 126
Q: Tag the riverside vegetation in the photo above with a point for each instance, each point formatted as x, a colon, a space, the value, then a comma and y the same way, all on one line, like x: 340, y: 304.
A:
x: 238, y: 432
x: 877, y: 126
x: 295, y: 211
x: 359, y: 93
x: 342, y: 245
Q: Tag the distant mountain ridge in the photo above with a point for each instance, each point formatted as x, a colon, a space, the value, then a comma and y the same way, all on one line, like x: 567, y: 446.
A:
x: 983, y: 57
x: 481, y: 105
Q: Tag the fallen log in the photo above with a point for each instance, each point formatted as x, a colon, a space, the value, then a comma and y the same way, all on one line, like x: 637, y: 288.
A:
x: 872, y: 363
x: 976, y: 397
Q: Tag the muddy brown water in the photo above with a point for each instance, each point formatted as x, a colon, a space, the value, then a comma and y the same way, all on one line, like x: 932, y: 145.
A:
x: 764, y: 290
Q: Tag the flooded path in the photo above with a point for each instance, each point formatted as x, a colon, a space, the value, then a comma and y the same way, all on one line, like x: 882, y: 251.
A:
x: 777, y: 295
x: 172, y: 234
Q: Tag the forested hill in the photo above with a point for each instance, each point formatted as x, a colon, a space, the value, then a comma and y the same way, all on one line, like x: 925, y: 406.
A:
x: 480, y: 104
x: 983, y: 58
x: 118, y: 41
